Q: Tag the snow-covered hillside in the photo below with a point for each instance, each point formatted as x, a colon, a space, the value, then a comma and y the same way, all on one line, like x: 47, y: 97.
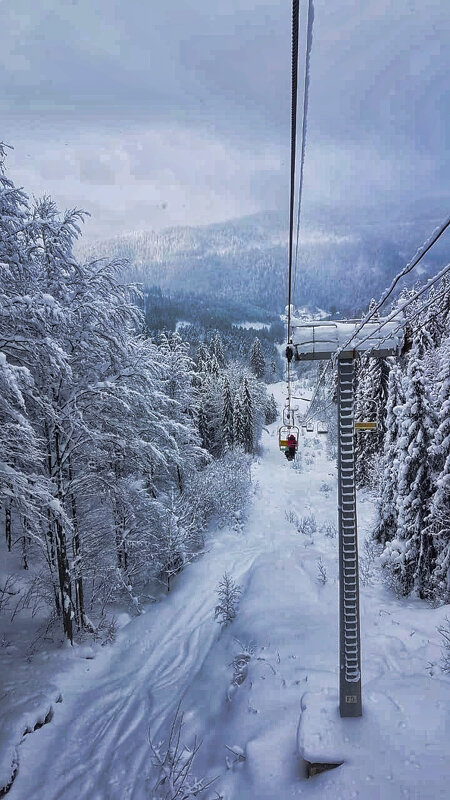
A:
x: 255, y: 691
x: 245, y: 260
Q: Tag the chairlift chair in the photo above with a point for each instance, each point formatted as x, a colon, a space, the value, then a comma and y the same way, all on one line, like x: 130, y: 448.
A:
x: 322, y: 427
x: 284, y: 432
x: 310, y: 426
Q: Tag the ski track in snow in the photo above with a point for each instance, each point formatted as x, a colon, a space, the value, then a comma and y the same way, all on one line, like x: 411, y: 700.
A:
x: 96, y: 747
x: 103, y: 751
x: 158, y: 655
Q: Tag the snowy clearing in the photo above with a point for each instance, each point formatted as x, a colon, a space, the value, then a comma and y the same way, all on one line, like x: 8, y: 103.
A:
x: 248, y: 326
x: 96, y: 745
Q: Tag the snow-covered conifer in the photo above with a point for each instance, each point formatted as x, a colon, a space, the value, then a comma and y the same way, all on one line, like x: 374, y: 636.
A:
x: 370, y: 405
x: 439, y: 519
x: 271, y: 410
x: 372, y: 307
x: 387, y: 504
x: 227, y: 416
x: 216, y: 349
x: 257, y: 363
x: 172, y: 542
x: 202, y: 424
x: 246, y: 438
x: 238, y: 421
x: 411, y: 553
x: 228, y: 595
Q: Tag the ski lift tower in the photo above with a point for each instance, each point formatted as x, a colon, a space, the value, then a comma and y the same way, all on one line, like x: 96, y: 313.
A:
x: 318, y: 341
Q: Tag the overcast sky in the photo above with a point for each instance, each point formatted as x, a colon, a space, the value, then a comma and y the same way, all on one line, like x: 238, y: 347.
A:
x: 150, y: 113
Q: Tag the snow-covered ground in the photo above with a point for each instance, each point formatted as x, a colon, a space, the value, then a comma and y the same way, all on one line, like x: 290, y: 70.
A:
x: 96, y: 744
x: 257, y: 326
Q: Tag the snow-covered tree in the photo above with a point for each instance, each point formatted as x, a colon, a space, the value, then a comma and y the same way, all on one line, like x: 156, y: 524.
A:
x: 372, y: 307
x: 173, y: 541
x: 271, y: 410
x: 243, y: 416
x: 257, y: 363
x: 228, y: 593
x: 439, y: 519
x: 221, y: 490
x: 179, y: 384
x: 104, y: 482
x: 227, y: 416
x: 216, y: 349
x: 238, y: 422
x: 387, y: 504
x: 370, y: 405
x: 411, y: 553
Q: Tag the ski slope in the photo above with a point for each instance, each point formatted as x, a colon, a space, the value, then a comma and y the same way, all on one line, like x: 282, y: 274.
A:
x: 96, y: 745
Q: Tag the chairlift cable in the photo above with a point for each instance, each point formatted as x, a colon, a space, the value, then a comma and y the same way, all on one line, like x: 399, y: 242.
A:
x: 294, y: 92
x: 309, y: 30
x: 295, y: 21
x: 420, y: 253
x: 392, y: 316
x: 317, y: 387
x: 416, y: 314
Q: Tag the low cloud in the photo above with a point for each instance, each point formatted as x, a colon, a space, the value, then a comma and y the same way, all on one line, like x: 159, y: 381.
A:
x: 180, y: 114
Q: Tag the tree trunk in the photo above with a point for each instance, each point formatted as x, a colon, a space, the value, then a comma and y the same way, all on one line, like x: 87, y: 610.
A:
x: 65, y: 586
x: 65, y: 583
x: 180, y: 479
x: 25, y: 541
x: 76, y: 549
x: 8, y: 525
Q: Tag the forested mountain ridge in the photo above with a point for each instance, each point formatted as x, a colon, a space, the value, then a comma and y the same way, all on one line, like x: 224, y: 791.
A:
x: 245, y: 259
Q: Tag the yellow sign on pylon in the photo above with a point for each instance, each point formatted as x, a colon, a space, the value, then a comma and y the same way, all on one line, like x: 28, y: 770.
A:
x: 365, y: 426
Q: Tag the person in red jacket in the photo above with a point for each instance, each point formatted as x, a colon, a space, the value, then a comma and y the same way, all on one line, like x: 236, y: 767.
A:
x: 291, y: 447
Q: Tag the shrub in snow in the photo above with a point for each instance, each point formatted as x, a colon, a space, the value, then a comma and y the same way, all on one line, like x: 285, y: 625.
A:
x: 222, y: 489
x: 368, y: 560
x: 322, y: 572
x: 7, y: 591
x: 106, y: 630
x: 237, y: 757
x: 325, y: 488
x: 240, y: 667
x: 307, y: 525
x: 292, y: 517
x: 228, y: 593
x: 329, y: 529
x: 173, y: 763
x: 444, y: 630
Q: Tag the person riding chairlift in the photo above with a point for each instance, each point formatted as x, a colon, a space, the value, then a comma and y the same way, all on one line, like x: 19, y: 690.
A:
x: 291, y: 447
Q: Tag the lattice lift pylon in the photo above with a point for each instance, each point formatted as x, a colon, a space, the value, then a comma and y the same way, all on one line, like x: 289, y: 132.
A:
x: 327, y: 340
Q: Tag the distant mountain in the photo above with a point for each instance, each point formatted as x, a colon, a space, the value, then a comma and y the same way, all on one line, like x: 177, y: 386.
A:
x: 342, y: 262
